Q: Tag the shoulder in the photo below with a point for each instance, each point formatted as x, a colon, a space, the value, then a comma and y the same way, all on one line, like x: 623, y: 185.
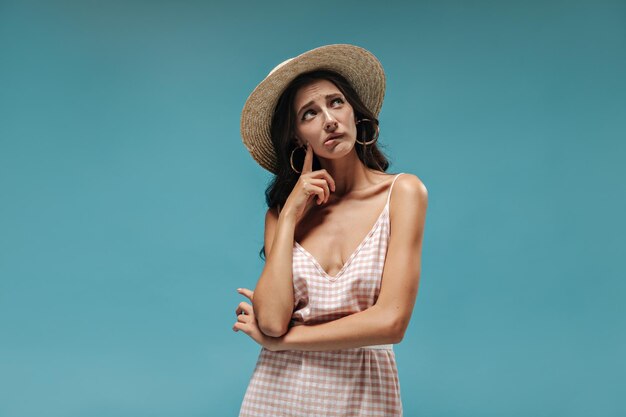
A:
x: 272, y: 213
x: 408, y: 201
x: 409, y: 186
x: 271, y: 219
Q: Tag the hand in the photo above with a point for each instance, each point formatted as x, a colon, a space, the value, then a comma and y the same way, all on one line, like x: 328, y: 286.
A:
x: 246, y: 322
x: 310, y: 185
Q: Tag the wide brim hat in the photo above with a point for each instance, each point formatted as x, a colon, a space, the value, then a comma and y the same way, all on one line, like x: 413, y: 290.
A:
x: 360, y: 67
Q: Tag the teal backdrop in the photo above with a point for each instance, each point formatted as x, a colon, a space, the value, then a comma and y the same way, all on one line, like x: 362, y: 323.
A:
x: 130, y: 211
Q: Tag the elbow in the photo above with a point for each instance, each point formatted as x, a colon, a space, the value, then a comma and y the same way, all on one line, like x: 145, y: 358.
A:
x: 272, y: 327
x: 397, y: 329
x: 272, y: 323
x: 398, y: 338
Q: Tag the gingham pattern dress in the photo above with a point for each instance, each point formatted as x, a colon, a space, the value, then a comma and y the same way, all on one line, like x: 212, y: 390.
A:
x: 358, y: 382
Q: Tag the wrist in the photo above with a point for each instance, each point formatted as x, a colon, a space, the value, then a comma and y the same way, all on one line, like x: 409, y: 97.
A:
x: 274, y: 344
x: 287, y: 217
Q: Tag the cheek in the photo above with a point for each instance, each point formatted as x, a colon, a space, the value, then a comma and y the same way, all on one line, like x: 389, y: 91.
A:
x: 349, y: 119
x: 309, y: 129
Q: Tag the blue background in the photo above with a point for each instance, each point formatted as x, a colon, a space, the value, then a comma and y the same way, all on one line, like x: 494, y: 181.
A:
x: 130, y: 210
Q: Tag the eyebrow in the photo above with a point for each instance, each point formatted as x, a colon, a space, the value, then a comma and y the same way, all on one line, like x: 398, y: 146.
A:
x: 311, y: 102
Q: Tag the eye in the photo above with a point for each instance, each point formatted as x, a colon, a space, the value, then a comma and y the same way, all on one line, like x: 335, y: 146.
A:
x: 332, y: 101
x: 305, y: 113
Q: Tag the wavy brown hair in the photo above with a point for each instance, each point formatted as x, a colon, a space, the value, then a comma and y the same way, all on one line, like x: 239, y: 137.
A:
x: 284, y: 142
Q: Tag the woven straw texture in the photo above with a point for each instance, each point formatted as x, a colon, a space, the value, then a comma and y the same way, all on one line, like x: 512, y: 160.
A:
x: 359, y: 66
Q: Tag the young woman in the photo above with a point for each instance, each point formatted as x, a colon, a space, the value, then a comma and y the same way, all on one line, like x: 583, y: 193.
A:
x: 343, y: 253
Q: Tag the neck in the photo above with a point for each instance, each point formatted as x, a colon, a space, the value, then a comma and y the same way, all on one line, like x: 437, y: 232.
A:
x: 349, y: 173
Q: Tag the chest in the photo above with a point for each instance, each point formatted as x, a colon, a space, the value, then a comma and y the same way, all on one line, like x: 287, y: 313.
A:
x: 331, y: 236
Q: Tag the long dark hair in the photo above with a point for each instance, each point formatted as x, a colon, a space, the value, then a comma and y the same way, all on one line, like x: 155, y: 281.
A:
x: 283, y: 137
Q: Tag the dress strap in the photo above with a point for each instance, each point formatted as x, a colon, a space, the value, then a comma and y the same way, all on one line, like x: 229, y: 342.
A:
x: 388, y: 196
x: 391, y: 188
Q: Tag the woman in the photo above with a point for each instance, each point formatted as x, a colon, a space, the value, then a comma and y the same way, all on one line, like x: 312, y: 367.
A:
x: 343, y: 257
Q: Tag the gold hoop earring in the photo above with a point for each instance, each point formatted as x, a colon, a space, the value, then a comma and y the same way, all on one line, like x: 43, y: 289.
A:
x: 377, y: 132
x: 291, y: 159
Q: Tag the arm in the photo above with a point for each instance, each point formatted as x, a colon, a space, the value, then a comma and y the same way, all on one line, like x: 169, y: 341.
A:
x: 273, y: 295
x: 387, y: 320
x: 368, y: 327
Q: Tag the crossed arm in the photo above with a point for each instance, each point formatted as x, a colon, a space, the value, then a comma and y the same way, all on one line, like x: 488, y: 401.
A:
x: 387, y: 320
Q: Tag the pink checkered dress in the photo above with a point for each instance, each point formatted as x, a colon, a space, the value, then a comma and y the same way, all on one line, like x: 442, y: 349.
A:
x: 349, y: 382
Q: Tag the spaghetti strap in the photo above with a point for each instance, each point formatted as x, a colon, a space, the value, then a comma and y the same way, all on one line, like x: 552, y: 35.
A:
x: 388, y: 194
x: 391, y: 188
x: 362, y: 378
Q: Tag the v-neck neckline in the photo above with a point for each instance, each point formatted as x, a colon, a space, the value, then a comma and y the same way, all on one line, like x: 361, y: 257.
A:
x: 354, y: 253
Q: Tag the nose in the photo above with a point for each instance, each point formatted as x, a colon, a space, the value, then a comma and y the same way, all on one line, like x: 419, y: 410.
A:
x: 331, y: 122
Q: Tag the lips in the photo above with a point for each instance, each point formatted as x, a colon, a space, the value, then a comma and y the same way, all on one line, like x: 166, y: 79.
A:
x: 332, y: 137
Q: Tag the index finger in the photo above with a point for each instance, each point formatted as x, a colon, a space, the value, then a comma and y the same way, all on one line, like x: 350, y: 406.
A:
x: 246, y: 292
x: 307, y: 166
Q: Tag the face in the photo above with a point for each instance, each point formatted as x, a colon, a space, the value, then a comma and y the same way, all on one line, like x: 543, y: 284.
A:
x: 322, y: 110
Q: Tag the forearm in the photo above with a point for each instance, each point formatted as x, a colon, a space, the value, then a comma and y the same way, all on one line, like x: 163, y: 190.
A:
x: 273, y: 295
x: 369, y: 327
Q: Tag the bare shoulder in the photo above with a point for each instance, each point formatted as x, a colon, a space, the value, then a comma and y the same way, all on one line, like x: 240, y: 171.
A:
x: 409, y: 185
x: 271, y: 214
x: 409, y: 198
x: 271, y: 219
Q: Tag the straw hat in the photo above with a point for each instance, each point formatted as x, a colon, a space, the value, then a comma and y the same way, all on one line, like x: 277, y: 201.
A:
x: 359, y: 66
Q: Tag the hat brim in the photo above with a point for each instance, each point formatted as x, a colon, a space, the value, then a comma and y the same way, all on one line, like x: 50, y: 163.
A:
x: 359, y: 66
